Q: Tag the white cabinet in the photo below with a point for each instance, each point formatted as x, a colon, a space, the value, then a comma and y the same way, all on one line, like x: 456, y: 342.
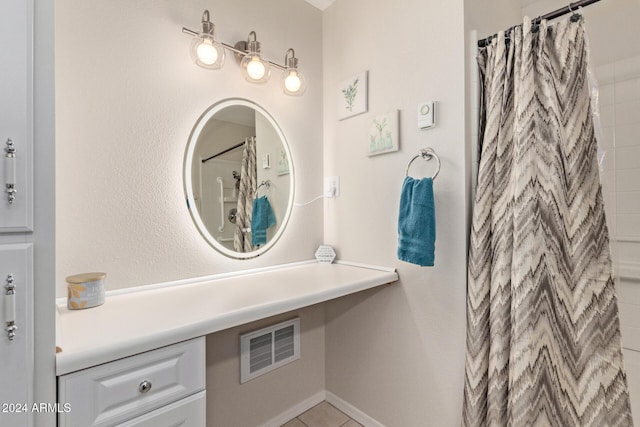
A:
x: 16, y: 290
x: 188, y: 412
x: 16, y: 116
x: 26, y: 91
x: 119, y: 391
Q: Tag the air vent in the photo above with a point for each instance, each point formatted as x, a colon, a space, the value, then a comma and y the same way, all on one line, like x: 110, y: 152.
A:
x: 269, y: 348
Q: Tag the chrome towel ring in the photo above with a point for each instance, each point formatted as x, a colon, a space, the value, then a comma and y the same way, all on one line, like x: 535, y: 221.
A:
x: 266, y: 184
x: 427, y: 154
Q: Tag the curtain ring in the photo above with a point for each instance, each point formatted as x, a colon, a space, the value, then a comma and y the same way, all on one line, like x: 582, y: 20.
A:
x: 575, y: 14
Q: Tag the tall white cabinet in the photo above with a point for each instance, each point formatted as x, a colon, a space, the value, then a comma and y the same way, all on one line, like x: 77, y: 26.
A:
x: 27, y: 349
x: 16, y: 116
x: 16, y: 213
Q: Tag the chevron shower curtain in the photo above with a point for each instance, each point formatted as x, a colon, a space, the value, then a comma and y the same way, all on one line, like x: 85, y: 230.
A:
x: 248, y: 178
x: 543, y: 336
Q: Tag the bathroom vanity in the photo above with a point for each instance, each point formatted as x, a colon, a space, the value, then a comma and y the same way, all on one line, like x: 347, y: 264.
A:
x: 139, y: 359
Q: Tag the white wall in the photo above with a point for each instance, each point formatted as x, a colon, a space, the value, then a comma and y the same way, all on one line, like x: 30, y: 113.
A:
x: 127, y: 98
x: 612, y: 26
x: 619, y: 105
x: 397, y: 353
x: 264, y: 398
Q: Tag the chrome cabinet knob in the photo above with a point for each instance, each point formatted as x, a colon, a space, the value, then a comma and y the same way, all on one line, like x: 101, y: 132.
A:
x: 144, y: 387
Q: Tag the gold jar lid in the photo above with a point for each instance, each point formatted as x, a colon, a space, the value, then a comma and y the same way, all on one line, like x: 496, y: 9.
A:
x: 86, y: 277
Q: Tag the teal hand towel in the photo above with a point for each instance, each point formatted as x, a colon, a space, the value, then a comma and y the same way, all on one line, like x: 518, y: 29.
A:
x: 262, y: 217
x: 417, y: 222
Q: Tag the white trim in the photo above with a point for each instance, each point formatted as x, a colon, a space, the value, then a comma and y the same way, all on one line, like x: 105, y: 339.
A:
x: 370, y: 267
x: 44, y: 207
x: 138, y: 322
x: 321, y: 4
x: 630, y: 239
x: 62, y: 301
x: 629, y: 270
x: 144, y: 288
x: 352, y: 411
x: 296, y: 410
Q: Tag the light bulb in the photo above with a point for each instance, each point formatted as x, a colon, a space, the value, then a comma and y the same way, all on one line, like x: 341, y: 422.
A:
x: 255, y: 68
x: 207, y: 53
x: 292, y: 82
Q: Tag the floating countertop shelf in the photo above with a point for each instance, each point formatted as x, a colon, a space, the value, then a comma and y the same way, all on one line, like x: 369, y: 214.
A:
x: 155, y: 316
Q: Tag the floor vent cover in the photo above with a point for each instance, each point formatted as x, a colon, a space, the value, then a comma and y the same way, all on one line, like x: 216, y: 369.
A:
x: 269, y: 348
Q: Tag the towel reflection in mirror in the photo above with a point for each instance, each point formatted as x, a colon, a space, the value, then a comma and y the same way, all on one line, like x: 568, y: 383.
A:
x: 262, y: 216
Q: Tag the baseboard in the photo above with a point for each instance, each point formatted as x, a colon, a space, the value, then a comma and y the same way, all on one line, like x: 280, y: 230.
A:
x: 296, y: 410
x: 352, y: 411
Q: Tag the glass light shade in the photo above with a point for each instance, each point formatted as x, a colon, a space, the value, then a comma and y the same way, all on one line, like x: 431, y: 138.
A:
x: 206, y: 52
x: 255, y: 69
x: 293, y: 82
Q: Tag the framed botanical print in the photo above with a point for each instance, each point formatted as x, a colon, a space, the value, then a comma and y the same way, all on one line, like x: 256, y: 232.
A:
x: 352, y: 96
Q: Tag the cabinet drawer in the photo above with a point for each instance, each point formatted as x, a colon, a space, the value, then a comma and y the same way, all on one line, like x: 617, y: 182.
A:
x: 109, y: 394
x: 188, y: 412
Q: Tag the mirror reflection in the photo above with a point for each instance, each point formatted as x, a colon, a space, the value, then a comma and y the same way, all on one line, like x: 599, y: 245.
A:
x: 238, y: 178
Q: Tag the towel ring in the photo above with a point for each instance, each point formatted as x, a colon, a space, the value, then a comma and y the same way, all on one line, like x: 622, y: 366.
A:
x: 266, y: 184
x: 427, y: 154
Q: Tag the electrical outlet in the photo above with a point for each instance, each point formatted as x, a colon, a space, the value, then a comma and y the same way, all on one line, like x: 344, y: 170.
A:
x: 331, y: 186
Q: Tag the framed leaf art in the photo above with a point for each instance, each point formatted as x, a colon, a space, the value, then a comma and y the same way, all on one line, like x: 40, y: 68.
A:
x: 352, y: 96
x: 383, y: 133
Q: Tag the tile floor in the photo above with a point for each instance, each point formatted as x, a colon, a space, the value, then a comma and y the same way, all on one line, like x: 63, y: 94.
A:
x: 322, y: 415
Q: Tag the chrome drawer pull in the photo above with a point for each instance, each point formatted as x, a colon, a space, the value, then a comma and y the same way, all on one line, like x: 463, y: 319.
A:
x: 10, y: 171
x: 144, y: 387
x: 10, y: 308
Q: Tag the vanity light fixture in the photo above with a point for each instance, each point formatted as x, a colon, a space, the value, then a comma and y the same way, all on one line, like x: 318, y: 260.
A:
x: 292, y: 80
x: 206, y: 51
x: 209, y: 53
x: 255, y: 68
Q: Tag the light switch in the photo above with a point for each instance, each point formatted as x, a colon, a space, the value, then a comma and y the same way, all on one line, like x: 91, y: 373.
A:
x: 427, y: 115
x: 266, y: 161
x: 331, y: 186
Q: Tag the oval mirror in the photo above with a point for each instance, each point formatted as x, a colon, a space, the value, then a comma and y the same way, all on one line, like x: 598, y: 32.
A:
x: 238, y: 178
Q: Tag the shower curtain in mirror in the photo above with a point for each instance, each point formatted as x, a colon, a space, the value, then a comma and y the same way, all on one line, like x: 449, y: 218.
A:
x: 543, y: 335
x: 248, y: 178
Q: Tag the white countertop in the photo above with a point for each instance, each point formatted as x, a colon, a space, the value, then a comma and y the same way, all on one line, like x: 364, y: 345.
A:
x: 135, y: 322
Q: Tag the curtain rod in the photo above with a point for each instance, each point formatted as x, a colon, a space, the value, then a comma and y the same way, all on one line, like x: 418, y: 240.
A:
x: 225, y: 151
x: 571, y: 8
